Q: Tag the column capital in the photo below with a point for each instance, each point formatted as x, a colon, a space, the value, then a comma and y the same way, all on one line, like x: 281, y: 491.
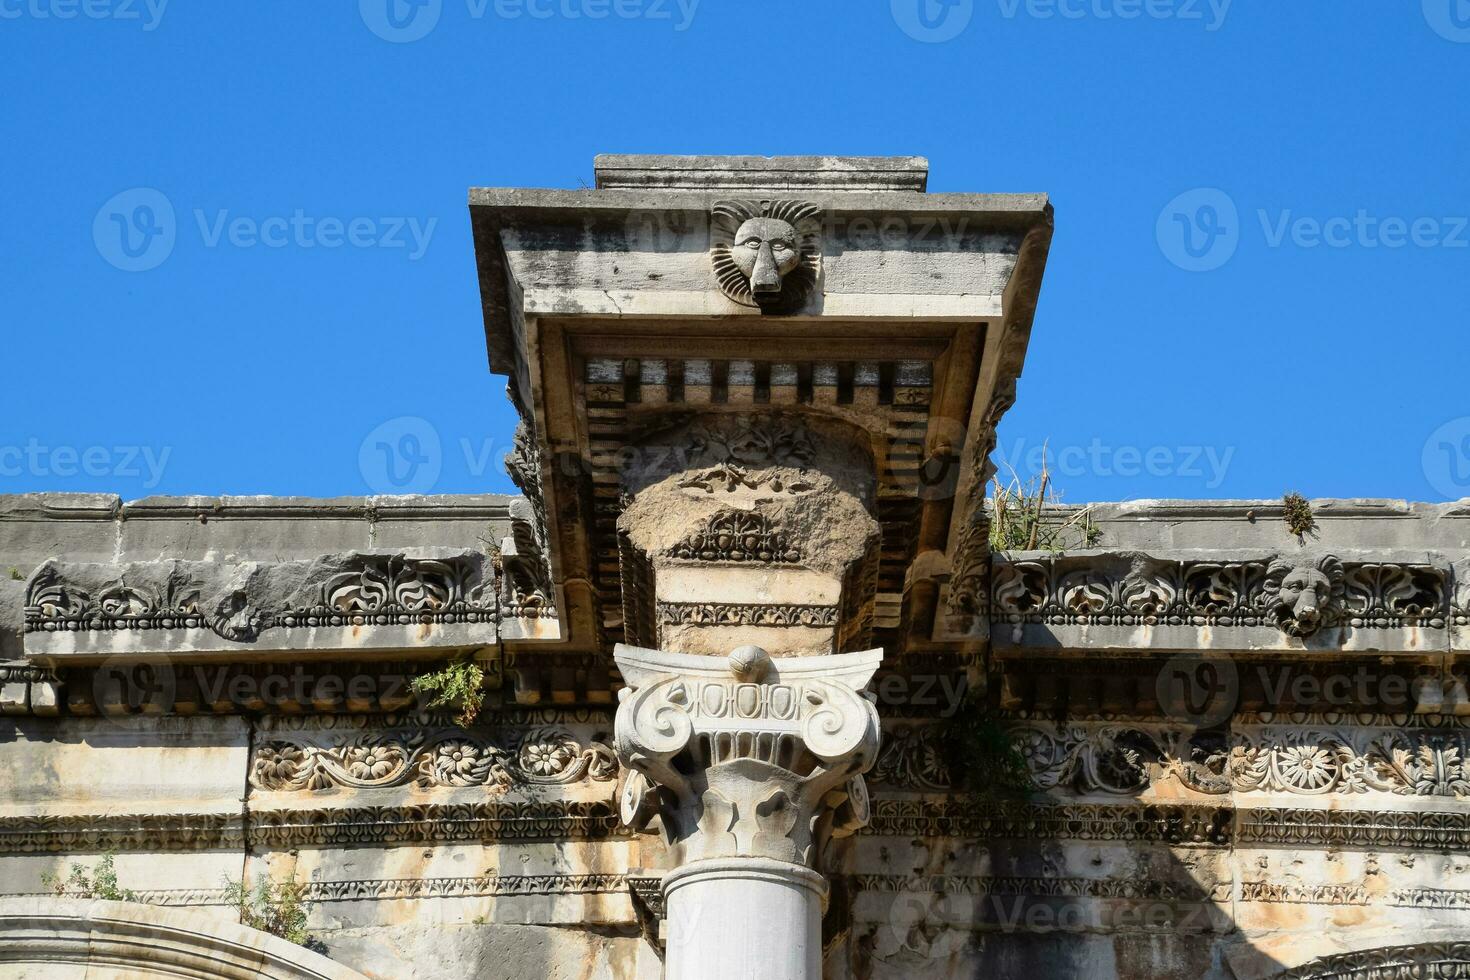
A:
x: 746, y: 756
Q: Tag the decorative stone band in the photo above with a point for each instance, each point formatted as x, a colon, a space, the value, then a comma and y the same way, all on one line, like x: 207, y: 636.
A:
x: 565, y: 820
x: 1304, y: 597
x: 381, y: 600
x: 1392, y: 963
x: 1332, y: 760
x: 736, y: 614
x: 427, y: 757
x: 323, y: 826
x: 1198, y: 826
x: 740, y: 758
x: 395, y: 889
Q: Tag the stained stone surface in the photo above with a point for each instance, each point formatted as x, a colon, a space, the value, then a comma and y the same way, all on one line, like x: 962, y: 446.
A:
x: 1284, y: 834
x: 1186, y: 745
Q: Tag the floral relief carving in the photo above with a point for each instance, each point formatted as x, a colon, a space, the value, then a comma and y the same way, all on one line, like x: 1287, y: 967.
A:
x: 738, y: 536
x: 1130, y: 761
x: 767, y: 452
x: 740, y: 614
x: 428, y: 758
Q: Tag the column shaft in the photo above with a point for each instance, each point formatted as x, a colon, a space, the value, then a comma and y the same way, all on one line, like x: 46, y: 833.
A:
x: 744, y: 918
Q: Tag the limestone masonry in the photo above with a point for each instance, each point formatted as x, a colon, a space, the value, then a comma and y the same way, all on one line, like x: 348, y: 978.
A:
x: 757, y: 696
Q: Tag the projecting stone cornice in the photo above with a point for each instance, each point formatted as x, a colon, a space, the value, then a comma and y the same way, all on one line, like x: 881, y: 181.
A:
x: 79, y: 612
x: 1390, y: 601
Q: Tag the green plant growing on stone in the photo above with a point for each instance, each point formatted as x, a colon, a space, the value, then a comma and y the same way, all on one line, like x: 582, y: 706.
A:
x: 1297, y: 513
x: 278, y: 908
x: 1025, y: 516
x: 459, y: 685
x: 101, y: 882
x: 979, y: 754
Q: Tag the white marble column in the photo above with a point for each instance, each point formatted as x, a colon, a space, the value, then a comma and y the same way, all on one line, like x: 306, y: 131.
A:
x: 746, y: 766
x: 744, y: 917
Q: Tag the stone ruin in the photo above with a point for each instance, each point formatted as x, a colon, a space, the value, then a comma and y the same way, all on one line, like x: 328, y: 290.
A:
x: 753, y: 695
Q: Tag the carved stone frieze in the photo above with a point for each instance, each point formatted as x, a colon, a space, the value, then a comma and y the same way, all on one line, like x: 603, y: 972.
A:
x: 1297, y: 596
x: 1120, y: 760
x: 240, y: 601
x: 97, y: 833
x: 750, y: 757
x: 1460, y: 609
x: 1158, y: 823
x: 400, y: 889
x: 1443, y: 960
x: 494, y: 821
x: 740, y: 537
x: 740, y: 614
x: 527, y: 591
x: 767, y: 254
x: 427, y: 757
x: 1282, y: 893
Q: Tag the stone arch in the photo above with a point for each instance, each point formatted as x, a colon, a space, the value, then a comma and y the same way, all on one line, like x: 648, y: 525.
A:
x: 1412, y: 962
x: 1384, y: 953
x: 48, y: 939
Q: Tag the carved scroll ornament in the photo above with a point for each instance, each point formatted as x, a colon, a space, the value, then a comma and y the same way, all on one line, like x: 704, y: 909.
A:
x: 750, y: 757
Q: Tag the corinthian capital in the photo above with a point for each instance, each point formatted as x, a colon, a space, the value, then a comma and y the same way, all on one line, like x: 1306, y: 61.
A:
x: 746, y: 756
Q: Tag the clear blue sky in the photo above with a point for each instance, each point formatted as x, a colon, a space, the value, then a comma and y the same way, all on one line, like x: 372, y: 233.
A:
x: 1329, y: 362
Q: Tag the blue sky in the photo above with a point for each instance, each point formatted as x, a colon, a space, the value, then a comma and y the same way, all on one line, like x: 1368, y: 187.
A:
x: 1309, y: 332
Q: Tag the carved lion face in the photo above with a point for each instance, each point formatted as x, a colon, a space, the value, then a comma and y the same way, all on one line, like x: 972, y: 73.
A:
x: 766, y: 254
x: 765, y: 250
x: 1303, y: 595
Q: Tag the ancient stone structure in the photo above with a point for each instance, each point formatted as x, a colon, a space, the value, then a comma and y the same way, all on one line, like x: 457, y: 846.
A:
x: 760, y: 698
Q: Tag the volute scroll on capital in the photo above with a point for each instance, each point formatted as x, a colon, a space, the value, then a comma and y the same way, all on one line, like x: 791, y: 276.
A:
x: 746, y: 756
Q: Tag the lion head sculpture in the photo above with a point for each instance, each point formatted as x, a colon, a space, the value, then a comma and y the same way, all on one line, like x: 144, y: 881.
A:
x: 1304, y: 594
x: 767, y: 254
